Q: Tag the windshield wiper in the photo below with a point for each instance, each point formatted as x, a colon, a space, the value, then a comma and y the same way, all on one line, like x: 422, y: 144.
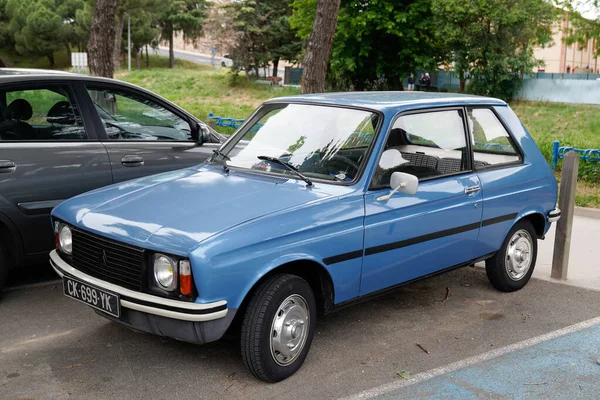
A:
x: 223, y: 160
x: 288, y: 166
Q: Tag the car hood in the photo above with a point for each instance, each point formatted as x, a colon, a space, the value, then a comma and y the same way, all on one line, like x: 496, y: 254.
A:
x: 177, y: 210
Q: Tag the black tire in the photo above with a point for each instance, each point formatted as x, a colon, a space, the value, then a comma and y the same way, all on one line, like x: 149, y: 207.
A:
x: 257, y: 327
x: 3, y: 266
x: 498, y: 267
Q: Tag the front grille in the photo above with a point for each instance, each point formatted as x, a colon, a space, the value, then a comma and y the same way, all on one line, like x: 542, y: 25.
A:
x: 108, y: 259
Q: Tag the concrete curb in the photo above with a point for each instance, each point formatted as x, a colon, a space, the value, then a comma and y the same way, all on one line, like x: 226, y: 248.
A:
x: 587, y: 212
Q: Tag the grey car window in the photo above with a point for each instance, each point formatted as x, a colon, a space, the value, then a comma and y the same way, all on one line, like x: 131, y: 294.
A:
x: 39, y: 114
x: 131, y: 116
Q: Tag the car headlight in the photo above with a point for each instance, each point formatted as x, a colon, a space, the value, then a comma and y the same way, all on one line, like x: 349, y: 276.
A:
x: 65, y: 239
x: 165, y: 272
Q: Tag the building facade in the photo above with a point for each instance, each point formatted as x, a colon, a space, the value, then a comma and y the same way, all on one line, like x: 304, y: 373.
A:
x: 559, y: 57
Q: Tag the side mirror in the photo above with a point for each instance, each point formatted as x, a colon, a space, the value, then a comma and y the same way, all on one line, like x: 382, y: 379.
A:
x: 201, y: 134
x: 403, y: 183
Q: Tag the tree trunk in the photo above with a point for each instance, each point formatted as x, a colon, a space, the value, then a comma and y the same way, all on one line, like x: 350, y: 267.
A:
x: 463, y: 81
x: 102, y: 38
x: 51, y: 60
x: 68, y: 47
x: 275, y: 66
x: 118, y: 40
x: 137, y: 59
x: 320, y: 43
x: 147, y: 58
x: 171, y: 52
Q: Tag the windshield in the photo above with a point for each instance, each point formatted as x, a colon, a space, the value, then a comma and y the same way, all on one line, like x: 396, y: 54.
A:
x: 320, y: 141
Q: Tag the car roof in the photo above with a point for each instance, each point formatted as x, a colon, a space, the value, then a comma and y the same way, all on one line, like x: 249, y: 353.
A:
x: 390, y: 100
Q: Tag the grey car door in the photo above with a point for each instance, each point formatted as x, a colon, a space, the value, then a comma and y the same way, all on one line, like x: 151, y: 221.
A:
x: 144, y: 134
x: 47, y: 155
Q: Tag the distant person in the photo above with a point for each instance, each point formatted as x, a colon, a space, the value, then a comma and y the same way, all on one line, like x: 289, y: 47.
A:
x: 421, y: 81
x: 427, y: 81
x: 411, y: 82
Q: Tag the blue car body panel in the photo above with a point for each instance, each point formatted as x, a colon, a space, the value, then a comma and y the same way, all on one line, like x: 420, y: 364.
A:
x: 237, y: 228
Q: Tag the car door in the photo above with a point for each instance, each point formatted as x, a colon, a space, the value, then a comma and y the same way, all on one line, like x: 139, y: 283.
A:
x: 411, y: 236
x: 47, y: 154
x: 144, y: 134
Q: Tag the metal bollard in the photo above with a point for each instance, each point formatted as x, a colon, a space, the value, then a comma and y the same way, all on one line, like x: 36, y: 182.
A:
x: 564, y: 226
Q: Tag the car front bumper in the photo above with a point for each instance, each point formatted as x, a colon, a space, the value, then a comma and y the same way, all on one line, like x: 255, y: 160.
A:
x: 190, y: 322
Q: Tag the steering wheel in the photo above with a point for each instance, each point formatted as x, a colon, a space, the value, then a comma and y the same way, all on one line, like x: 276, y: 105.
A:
x: 343, y: 162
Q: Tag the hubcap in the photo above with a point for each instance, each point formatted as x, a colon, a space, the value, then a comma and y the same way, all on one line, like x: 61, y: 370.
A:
x: 518, y: 255
x: 289, y: 329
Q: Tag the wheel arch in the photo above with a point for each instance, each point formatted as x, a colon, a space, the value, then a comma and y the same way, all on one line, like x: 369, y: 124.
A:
x: 10, y: 235
x: 537, y: 219
x: 317, y: 276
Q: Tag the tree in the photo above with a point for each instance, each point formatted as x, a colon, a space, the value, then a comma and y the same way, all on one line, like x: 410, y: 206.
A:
x: 102, y: 38
x: 186, y: 16
x: 35, y: 28
x: 377, y: 42
x: 67, y: 10
x: 150, y: 10
x: 318, y: 49
x: 493, y: 41
x: 143, y: 31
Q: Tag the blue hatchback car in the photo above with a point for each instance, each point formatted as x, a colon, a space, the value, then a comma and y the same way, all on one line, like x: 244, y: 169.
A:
x: 315, y: 202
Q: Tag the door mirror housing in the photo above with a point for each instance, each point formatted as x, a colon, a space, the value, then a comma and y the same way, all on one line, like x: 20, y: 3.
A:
x: 200, y: 134
x: 403, y: 183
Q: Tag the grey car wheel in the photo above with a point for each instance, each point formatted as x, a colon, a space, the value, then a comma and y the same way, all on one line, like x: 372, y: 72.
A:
x: 278, y: 327
x: 511, y: 267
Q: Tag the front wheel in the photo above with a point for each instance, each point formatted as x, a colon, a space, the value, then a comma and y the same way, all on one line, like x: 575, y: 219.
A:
x: 510, y: 269
x: 278, y: 327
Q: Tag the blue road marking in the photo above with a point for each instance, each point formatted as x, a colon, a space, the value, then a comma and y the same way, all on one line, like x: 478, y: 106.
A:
x: 560, y: 368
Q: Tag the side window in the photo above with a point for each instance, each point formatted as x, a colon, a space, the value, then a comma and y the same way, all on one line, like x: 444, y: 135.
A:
x: 492, y: 145
x: 427, y: 145
x: 40, y: 114
x: 131, y: 116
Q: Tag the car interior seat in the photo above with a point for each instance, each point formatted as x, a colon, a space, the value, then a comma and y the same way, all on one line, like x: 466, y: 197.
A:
x: 61, y: 114
x: 14, y: 126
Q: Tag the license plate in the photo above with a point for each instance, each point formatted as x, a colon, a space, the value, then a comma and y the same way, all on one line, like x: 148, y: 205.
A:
x: 99, y: 299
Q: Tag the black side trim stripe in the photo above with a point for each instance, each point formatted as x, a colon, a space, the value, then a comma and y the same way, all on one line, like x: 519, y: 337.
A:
x: 416, y: 240
x: 175, y: 309
x: 420, y: 239
x: 343, y: 257
x: 499, y: 219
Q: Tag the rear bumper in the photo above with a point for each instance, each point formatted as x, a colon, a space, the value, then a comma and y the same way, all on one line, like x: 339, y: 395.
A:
x: 190, y: 322
x: 554, y: 215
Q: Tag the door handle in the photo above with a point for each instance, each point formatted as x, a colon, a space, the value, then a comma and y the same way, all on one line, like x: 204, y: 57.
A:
x: 132, y: 161
x: 7, y: 166
x: 472, y: 189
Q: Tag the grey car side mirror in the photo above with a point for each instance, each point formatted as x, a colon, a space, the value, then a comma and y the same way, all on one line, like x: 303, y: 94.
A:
x: 202, y: 135
x: 403, y: 183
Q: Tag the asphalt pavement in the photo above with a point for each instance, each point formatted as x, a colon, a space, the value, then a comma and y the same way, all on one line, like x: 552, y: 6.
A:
x: 55, y: 348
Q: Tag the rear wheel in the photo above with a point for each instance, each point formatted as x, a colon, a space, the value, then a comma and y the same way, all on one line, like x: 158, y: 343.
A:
x: 278, y: 327
x: 511, y: 268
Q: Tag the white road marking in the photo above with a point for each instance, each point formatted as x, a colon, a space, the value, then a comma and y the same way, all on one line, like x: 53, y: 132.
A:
x: 467, y: 362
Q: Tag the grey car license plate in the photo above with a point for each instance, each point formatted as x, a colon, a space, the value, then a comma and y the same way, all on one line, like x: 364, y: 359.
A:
x: 92, y: 296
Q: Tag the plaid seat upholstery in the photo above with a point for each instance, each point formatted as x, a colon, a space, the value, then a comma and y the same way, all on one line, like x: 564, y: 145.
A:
x: 448, y: 165
x: 421, y: 160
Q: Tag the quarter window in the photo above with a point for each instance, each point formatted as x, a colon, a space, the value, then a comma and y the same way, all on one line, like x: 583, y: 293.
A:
x: 426, y: 145
x: 40, y: 114
x: 130, y: 116
x: 492, y: 145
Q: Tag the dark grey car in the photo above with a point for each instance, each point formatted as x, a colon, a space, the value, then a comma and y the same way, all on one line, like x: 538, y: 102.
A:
x: 64, y: 134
